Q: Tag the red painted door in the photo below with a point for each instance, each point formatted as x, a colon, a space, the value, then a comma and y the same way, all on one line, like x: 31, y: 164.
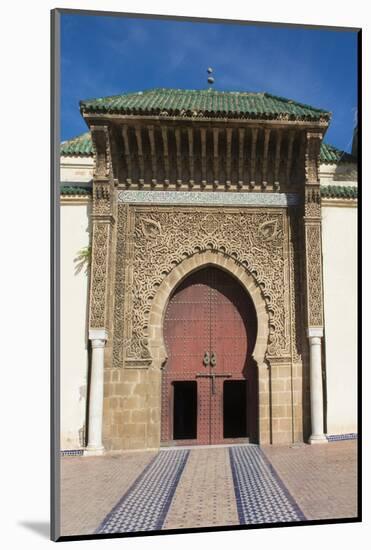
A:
x: 209, y: 330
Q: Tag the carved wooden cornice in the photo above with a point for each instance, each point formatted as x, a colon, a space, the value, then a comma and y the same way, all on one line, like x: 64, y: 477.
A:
x: 100, y: 140
x: 313, y: 147
x: 106, y: 155
x: 241, y: 144
x: 196, y: 156
x: 166, y: 156
x: 276, y: 182
x: 138, y: 135
x: 153, y: 155
x: 127, y: 154
x: 265, y: 157
x: 253, y: 157
x: 289, y: 157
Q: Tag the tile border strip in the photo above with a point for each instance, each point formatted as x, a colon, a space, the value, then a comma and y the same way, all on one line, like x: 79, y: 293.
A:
x: 283, y: 486
x: 208, y: 198
x: 161, y: 518
x: 342, y: 437
x: 72, y: 452
x: 277, y: 479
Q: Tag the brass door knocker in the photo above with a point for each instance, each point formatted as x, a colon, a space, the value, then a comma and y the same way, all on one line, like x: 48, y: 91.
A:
x: 206, y: 360
x: 213, y: 359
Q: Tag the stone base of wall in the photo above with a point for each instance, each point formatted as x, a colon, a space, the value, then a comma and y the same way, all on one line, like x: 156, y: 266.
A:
x: 131, y: 410
x: 280, y: 404
x: 132, y: 407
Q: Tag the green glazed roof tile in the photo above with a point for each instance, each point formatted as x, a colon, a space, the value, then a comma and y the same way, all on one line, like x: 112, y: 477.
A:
x: 78, y: 146
x: 330, y: 155
x: 212, y: 103
x: 74, y: 190
x: 338, y: 192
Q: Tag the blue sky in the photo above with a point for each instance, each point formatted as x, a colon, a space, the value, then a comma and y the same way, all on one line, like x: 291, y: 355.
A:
x: 104, y: 56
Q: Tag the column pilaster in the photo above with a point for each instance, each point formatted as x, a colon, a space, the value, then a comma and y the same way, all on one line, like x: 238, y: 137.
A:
x: 314, y: 284
x: 102, y: 227
x: 316, y: 392
x: 98, y: 340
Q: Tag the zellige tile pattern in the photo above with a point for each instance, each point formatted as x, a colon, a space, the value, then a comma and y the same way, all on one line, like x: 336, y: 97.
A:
x: 208, y: 486
x: 321, y: 478
x: 261, y: 496
x: 91, y: 486
x: 145, y: 505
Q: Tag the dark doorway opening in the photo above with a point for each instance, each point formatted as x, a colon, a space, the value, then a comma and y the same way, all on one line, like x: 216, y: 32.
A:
x: 185, y: 410
x: 235, y: 409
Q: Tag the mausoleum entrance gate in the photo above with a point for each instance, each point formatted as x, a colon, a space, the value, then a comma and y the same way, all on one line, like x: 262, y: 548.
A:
x: 209, y: 386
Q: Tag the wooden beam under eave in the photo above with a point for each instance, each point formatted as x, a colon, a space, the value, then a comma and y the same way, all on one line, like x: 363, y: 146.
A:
x: 229, y: 156
x: 254, y: 137
x: 216, y: 156
x: 125, y: 137
x: 166, y: 155
x: 178, y: 157
x: 277, y: 160
x: 191, y: 158
x: 241, y: 143
x: 289, y: 158
x: 265, y: 158
x: 138, y: 135
x: 151, y: 134
x: 203, y: 158
x: 302, y: 151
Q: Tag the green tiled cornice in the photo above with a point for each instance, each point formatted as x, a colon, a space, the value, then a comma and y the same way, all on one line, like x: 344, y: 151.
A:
x: 338, y: 192
x: 75, y: 190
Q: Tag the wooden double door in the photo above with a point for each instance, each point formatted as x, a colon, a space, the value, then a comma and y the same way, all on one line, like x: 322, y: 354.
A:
x: 209, y: 392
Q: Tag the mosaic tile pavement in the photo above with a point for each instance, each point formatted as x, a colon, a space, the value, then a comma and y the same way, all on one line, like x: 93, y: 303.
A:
x: 260, y: 494
x: 145, y: 505
x: 207, y: 486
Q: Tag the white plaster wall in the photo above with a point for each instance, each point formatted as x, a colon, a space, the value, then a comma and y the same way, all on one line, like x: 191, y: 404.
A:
x: 74, y: 356
x: 75, y: 170
x: 338, y: 174
x: 339, y: 235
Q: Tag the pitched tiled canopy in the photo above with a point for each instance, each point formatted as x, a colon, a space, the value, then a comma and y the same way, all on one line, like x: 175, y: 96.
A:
x: 205, y: 103
x: 81, y: 146
x: 203, y: 139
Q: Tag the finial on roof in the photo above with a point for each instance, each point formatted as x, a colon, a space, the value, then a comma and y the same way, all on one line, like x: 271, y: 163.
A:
x: 210, y: 79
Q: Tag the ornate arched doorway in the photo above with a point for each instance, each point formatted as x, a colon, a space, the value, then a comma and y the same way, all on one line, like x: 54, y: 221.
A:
x: 209, y: 384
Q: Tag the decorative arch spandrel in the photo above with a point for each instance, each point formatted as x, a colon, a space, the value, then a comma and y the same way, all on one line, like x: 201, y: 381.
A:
x: 154, y: 241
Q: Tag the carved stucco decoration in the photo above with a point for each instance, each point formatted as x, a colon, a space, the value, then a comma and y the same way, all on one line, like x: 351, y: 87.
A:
x: 150, y: 242
x: 101, y: 151
x: 312, y: 156
x: 151, y: 228
x: 314, y: 274
x: 312, y: 224
x: 99, y: 275
x: 296, y: 289
x: 101, y: 199
x: 103, y: 220
x: 269, y: 230
x: 313, y: 201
